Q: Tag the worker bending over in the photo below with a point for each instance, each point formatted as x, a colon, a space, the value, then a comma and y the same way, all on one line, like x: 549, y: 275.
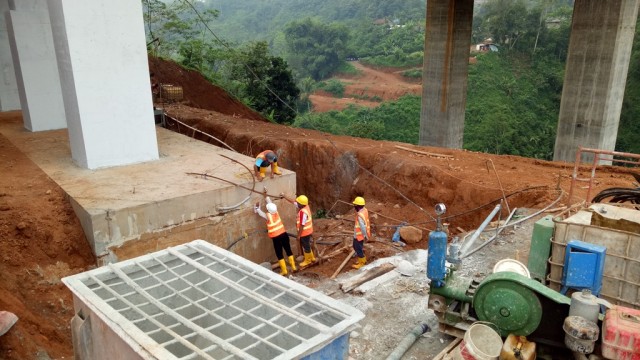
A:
x: 361, y: 232
x: 304, y: 224
x: 263, y: 161
x: 278, y: 234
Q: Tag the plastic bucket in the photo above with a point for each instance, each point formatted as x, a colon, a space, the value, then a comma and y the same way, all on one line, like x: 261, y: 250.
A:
x: 480, y: 342
x: 513, y: 266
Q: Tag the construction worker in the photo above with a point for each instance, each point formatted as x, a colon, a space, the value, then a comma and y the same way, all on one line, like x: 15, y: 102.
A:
x: 304, y: 224
x: 263, y: 161
x: 361, y: 231
x: 277, y: 233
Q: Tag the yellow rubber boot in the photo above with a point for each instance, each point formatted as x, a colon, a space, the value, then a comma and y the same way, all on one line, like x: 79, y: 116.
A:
x: 307, y: 260
x: 283, y: 268
x: 361, y: 262
x: 292, y: 262
x: 312, y: 257
x: 275, y: 169
x: 263, y: 172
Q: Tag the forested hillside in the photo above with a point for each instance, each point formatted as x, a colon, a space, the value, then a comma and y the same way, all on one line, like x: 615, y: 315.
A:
x: 272, y: 54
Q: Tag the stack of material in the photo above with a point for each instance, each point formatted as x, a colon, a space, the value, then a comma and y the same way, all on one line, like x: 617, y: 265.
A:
x: 172, y: 92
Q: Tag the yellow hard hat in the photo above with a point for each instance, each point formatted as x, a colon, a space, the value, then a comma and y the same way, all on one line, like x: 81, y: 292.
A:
x: 359, y: 201
x: 302, y: 200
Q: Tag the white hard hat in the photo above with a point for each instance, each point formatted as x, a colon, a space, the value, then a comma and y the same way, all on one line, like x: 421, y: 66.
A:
x: 272, y: 208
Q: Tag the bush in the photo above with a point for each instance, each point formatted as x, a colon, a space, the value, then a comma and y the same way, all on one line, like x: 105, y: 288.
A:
x: 333, y: 86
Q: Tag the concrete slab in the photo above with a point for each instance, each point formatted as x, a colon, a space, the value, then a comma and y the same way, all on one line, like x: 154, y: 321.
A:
x: 131, y: 210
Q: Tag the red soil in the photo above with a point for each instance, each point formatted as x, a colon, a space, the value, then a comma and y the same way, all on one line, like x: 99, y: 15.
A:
x: 368, y: 88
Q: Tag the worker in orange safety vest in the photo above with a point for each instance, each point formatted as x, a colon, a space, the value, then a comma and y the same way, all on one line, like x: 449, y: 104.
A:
x: 361, y: 231
x: 304, y: 224
x: 263, y: 161
x: 278, y: 234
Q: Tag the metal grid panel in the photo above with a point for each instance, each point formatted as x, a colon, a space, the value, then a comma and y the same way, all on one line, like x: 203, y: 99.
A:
x: 199, y: 301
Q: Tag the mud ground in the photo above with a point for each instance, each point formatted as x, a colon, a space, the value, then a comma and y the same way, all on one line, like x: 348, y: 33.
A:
x: 41, y: 239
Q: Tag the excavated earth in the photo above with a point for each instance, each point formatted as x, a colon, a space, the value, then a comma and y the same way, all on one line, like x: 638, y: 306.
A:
x: 41, y: 239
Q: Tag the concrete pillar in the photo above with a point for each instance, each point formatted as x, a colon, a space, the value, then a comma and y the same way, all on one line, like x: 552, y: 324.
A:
x: 102, y: 58
x: 597, y: 62
x: 9, y: 98
x: 444, y: 84
x: 35, y: 64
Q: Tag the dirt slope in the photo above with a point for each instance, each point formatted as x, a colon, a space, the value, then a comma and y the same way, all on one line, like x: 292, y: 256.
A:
x: 41, y: 239
x: 362, y: 89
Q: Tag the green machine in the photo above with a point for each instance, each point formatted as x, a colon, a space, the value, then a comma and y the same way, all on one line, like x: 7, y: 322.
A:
x: 515, y: 303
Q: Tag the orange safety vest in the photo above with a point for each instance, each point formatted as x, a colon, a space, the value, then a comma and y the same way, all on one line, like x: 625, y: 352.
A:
x: 364, y: 214
x: 274, y: 225
x: 308, y: 226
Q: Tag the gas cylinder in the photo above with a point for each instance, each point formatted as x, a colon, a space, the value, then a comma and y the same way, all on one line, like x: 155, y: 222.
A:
x: 436, y: 269
x: 584, y: 304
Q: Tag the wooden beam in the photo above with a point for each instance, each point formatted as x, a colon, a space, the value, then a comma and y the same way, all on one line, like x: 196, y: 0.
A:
x: 448, y: 350
x: 366, y: 276
x: 424, y: 152
x: 343, y: 264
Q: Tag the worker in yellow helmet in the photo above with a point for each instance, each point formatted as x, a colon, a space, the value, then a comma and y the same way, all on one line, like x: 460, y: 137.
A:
x: 278, y: 234
x: 361, y: 231
x: 304, y: 224
x: 263, y: 161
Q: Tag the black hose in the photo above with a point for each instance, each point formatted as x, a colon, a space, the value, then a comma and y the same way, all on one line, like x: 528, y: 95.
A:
x: 618, y: 195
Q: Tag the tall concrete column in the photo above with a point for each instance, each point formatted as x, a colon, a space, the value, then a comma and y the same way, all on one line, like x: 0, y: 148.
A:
x: 9, y: 98
x: 444, y: 76
x: 102, y: 58
x: 35, y: 63
x: 596, y: 72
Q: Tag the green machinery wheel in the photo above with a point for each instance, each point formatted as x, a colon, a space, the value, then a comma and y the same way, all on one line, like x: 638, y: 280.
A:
x: 510, y: 305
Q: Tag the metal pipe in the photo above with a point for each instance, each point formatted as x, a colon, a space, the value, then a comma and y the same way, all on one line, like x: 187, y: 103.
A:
x: 408, y: 341
x: 479, y: 230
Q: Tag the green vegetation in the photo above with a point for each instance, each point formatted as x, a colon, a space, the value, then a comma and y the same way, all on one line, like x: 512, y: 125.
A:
x: 294, y: 47
x: 397, y: 120
x: 315, y: 49
x: 332, y: 86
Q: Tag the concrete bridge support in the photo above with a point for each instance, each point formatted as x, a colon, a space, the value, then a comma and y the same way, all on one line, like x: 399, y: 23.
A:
x: 597, y: 63
x: 102, y: 59
x: 9, y: 98
x: 36, y: 69
x: 446, y: 58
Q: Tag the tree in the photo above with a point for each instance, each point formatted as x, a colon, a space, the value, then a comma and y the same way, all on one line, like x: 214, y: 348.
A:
x: 315, y: 49
x: 267, y: 82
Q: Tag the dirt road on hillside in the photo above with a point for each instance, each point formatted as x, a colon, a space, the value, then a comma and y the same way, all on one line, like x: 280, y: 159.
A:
x: 369, y: 88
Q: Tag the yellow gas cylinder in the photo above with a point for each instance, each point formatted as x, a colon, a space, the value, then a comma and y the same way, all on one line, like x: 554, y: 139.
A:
x: 518, y: 348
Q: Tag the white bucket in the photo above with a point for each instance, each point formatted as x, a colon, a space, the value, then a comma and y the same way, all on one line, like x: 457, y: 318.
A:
x: 480, y: 343
x: 513, y: 266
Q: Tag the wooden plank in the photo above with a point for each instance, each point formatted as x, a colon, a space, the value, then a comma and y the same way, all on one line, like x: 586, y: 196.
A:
x: 448, y: 350
x: 343, y: 264
x: 424, y: 152
x: 366, y: 276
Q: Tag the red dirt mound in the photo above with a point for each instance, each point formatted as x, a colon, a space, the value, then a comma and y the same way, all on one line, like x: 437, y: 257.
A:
x: 198, y: 91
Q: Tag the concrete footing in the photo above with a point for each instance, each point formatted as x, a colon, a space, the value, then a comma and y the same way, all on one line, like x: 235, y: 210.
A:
x: 131, y: 210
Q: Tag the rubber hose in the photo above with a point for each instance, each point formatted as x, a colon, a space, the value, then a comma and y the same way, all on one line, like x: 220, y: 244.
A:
x: 408, y: 341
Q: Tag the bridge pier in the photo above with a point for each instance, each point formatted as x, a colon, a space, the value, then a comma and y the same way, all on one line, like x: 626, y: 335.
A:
x: 596, y: 72
x: 444, y: 81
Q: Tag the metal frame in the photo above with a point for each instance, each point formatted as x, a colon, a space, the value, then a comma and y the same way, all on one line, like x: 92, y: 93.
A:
x: 598, y: 156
